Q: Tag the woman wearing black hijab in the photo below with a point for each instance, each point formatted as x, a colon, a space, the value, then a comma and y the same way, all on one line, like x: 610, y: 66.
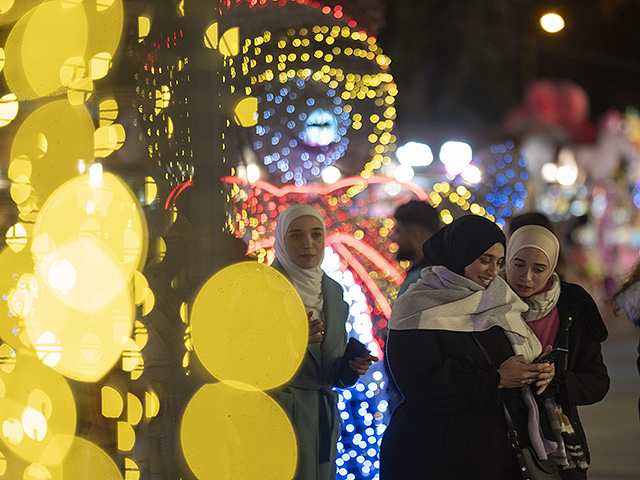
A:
x: 451, y: 424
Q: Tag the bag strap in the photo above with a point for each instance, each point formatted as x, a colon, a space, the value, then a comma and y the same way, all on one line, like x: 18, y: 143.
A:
x: 512, y: 434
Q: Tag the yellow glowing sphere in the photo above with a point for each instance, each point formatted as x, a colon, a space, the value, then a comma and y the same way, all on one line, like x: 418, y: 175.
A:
x: 8, y: 109
x: 53, y: 138
x: 36, y: 411
x: 80, y: 345
x: 552, y: 22
x: 100, y: 211
x: 105, y: 20
x: 13, y: 267
x: 39, y: 45
x: 229, y: 432
x: 248, y: 324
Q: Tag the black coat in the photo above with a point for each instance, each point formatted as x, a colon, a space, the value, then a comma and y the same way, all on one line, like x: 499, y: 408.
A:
x: 450, y: 425
x: 583, y: 379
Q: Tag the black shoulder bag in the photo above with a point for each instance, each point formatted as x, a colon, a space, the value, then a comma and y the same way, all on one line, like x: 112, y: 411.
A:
x: 530, y: 466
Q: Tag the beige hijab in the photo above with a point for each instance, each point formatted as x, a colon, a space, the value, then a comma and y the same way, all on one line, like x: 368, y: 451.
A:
x: 535, y: 236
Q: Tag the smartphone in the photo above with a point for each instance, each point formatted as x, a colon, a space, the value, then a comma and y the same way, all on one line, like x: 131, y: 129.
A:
x: 355, y: 349
x: 553, y: 356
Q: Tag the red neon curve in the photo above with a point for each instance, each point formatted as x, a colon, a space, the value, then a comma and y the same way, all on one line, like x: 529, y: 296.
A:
x: 327, y: 189
x: 317, y: 189
x: 366, y: 279
x: 371, y: 253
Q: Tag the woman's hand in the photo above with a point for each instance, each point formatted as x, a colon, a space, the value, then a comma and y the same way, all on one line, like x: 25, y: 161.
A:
x: 515, y: 372
x: 316, y: 329
x: 545, y: 376
x: 360, y: 365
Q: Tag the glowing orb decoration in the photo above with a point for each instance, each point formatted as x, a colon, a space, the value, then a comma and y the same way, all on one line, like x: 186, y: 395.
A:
x: 39, y: 45
x: 37, y: 411
x: 79, y: 344
x: 52, y: 147
x: 239, y: 433
x: 84, y: 460
x: 249, y: 324
x: 8, y: 109
x: 18, y: 292
x: 101, y: 211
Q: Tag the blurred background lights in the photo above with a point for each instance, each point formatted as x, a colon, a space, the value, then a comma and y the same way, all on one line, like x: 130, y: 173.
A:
x: 566, y: 175
x: 471, y: 174
x: 331, y: 174
x: 253, y: 173
x: 455, y: 156
x: 415, y: 154
x: 62, y: 275
x: 403, y: 173
x: 95, y: 174
x: 552, y: 22
x: 550, y: 172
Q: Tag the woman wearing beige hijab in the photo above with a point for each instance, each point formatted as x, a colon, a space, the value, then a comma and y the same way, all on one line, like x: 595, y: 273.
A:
x: 561, y: 315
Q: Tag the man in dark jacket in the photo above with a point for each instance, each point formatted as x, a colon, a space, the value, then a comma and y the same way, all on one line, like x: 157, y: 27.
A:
x: 415, y: 222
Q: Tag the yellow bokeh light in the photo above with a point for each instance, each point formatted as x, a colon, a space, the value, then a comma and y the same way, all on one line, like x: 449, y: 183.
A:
x: 144, y: 27
x: 112, y: 402
x: 36, y: 471
x: 33, y: 425
x: 87, y: 460
x: 134, y: 409
x: 211, y: 36
x: 13, y: 265
x: 121, y: 231
x: 80, y: 91
x: 108, y: 111
x: 126, y: 437
x: 230, y: 42
x: 151, y: 404
x: 260, y: 333
x: 99, y: 65
x: 16, y: 237
x: 107, y: 139
x: 8, y: 109
x: 39, y: 45
x: 72, y: 69
x: 150, y: 190
x: 105, y: 23
x: 237, y: 433
x: 54, y: 147
x: 245, y: 112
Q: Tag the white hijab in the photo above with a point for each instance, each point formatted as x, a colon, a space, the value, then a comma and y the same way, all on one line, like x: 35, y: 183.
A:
x: 307, y: 281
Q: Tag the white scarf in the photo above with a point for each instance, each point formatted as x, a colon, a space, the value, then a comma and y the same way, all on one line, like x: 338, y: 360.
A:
x: 443, y: 300
x: 307, y: 281
x: 541, y: 304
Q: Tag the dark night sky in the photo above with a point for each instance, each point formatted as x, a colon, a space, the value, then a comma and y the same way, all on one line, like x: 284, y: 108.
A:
x: 465, y: 63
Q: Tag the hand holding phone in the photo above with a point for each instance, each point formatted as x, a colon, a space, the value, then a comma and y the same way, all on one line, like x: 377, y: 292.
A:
x: 553, y: 356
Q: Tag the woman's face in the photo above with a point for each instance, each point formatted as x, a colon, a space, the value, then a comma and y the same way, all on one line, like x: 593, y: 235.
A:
x: 485, y: 268
x: 304, y: 241
x: 528, y: 271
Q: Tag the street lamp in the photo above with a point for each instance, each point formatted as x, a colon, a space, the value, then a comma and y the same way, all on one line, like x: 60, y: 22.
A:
x: 552, y: 22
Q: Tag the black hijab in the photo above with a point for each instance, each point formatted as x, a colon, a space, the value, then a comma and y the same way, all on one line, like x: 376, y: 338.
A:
x: 461, y: 242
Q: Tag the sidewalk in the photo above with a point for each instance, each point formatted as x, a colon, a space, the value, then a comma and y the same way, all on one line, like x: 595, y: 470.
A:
x: 613, y: 425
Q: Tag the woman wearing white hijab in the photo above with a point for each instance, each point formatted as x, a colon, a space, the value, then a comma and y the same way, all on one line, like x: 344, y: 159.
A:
x: 561, y: 315
x: 308, y: 398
